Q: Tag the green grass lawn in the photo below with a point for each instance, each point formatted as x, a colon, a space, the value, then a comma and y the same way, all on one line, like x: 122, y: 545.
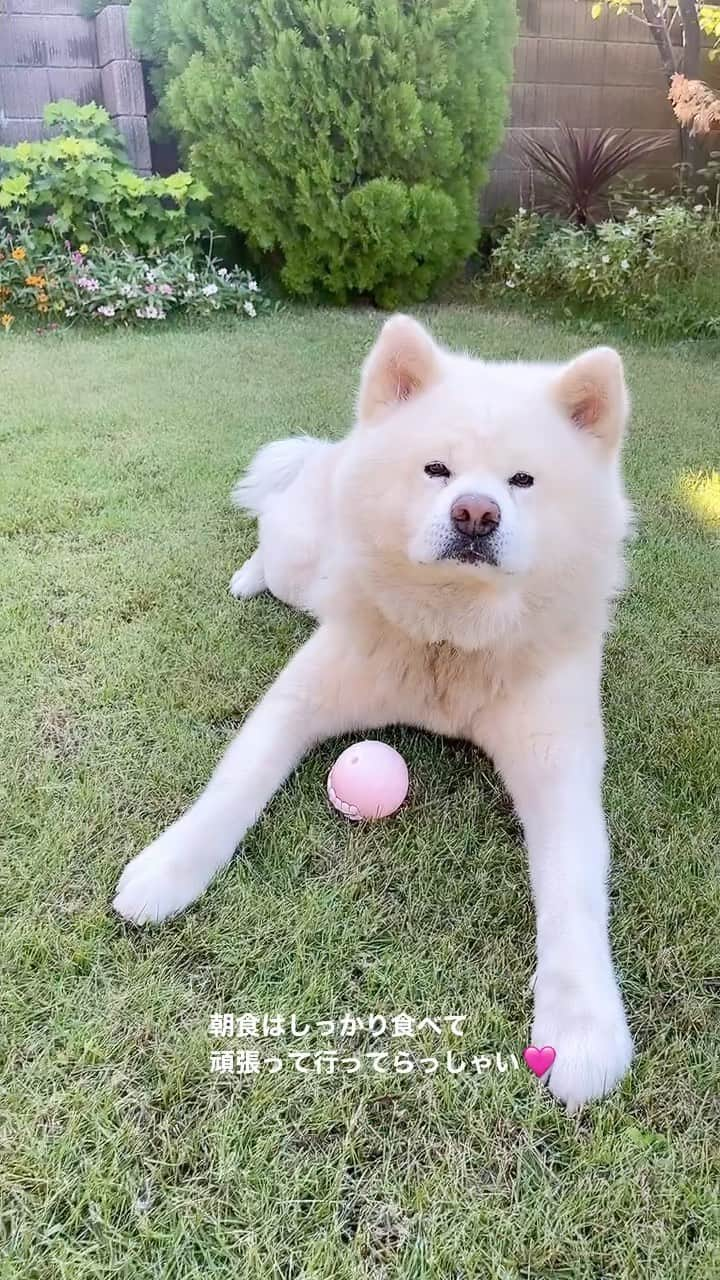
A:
x: 124, y: 667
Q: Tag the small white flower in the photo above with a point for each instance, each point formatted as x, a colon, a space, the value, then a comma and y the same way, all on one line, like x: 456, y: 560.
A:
x: 522, y: 211
x: 209, y: 290
x: 191, y: 277
x: 510, y: 284
x: 222, y: 272
x: 248, y: 306
x: 625, y: 265
x: 150, y: 277
x: 252, y: 285
x: 632, y: 213
x: 697, y: 208
x: 150, y: 313
x: 605, y: 258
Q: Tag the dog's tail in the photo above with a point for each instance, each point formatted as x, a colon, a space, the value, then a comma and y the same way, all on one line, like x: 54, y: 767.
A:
x: 272, y: 470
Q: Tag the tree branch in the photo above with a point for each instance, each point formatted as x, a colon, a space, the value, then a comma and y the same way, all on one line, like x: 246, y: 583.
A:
x: 691, y: 38
x: 661, y: 36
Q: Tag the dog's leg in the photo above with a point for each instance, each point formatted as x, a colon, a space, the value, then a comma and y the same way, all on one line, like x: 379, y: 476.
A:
x: 547, y: 742
x: 249, y: 580
x: 325, y: 689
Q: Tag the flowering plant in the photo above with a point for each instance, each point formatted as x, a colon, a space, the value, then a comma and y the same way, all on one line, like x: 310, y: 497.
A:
x: 658, y: 268
x: 68, y: 283
x: 80, y: 185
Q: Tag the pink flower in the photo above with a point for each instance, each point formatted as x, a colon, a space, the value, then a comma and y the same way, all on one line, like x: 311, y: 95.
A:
x: 150, y: 288
x: 89, y: 283
x: 165, y: 288
x: 77, y: 258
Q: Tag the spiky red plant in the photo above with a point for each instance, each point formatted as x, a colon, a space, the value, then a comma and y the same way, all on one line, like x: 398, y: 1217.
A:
x: 581, y: 163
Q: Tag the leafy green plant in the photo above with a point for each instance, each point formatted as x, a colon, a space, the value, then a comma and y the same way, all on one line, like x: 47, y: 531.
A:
x: 69, y: 119
x: 78, y: 185
x: 347, y: 140
x: 57, y: 284
x: 709, y: 19
x: 709, y: 186
x: 659, y: 270
x: 691, y: 189
x: 580, y: 165
x: 635, y: 193
x: 491, y: 233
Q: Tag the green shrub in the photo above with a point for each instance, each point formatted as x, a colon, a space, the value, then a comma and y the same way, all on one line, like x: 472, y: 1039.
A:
x: 79, y: 185
x: 55, y: 284
x: 349, y: 140
x: 659, y: 270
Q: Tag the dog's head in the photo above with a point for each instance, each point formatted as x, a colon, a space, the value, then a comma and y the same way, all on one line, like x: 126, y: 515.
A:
x: 481, y: 471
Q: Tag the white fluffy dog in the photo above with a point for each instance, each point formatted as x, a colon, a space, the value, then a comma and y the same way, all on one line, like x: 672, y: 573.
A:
x: 460, y: 548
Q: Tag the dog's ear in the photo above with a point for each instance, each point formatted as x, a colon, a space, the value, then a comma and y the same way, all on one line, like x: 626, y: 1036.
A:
x: 591, y: 390
x: 404, y: 362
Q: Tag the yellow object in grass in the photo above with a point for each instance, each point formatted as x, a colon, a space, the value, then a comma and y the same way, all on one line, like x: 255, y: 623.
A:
x: 700, y: 491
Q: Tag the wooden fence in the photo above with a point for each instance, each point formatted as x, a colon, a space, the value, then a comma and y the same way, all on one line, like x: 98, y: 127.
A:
x: 585, y: 72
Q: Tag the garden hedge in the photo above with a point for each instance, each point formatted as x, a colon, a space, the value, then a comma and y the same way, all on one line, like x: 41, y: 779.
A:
x: 347, y: 140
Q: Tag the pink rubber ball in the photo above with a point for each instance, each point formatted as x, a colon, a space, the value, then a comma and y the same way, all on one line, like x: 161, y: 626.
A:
x: 369, y: 780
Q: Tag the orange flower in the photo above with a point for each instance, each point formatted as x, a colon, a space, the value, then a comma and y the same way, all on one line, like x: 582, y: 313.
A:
x: 19, y: 254
x: 6, y: 320
x: 5, y: 291
x: 42, y: 297
x: 35, y: 282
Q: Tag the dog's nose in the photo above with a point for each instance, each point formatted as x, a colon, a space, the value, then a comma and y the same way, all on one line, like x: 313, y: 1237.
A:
x: 475, y: 514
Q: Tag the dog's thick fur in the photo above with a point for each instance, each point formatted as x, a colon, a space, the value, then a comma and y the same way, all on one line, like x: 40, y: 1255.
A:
x: 494, y: 635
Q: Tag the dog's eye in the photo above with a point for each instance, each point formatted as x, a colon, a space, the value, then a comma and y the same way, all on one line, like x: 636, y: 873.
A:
x: 521, y: 480
x: 437, y: 469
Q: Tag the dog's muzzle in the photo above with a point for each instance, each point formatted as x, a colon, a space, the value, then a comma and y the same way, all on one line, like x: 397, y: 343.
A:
x: 475, y: 521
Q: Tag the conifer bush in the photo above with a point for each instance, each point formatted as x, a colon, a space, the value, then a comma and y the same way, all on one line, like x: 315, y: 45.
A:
x: 348, y: 139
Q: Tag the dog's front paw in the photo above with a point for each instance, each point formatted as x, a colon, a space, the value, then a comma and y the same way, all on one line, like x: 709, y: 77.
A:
x: 590, y: 1036
x: 249, y: 580
x: 161, y: 881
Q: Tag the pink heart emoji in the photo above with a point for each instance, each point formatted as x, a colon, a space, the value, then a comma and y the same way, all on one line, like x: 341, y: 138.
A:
x: 539, y: 1060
